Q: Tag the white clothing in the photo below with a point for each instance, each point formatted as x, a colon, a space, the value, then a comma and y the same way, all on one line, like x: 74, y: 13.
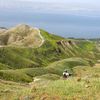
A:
x: 66, y: 73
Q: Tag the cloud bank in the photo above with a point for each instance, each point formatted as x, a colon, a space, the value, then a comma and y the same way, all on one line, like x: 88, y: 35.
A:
x: 63, y: 6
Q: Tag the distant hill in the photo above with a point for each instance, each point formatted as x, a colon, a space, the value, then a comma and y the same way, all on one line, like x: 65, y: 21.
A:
x: 3, y: 28
x: 21, y: 35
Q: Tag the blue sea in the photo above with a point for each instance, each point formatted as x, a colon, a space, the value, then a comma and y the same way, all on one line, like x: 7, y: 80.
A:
x: 66, y: 25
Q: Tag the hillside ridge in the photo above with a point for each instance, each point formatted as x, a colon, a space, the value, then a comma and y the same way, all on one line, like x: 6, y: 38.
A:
x: 21, y: 36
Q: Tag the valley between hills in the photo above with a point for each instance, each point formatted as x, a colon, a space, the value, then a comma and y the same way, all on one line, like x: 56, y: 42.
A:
x: 32, y: 61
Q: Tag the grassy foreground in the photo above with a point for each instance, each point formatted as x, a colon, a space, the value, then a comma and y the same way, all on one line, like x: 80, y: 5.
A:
x: 83, y: 86
x: 31, y: 66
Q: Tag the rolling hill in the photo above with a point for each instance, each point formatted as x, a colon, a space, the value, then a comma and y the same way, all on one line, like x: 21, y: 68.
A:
x: 26, y: 50
x: 21, y: 35
x: 31, y: 57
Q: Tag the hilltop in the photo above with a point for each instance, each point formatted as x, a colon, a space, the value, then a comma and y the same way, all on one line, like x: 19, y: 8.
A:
x: 22, y: 36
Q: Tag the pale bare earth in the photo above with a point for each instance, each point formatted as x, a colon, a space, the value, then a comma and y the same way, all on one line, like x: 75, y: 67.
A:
x: 40, y: 36
x: 98, y: 64
x: 39, y: 33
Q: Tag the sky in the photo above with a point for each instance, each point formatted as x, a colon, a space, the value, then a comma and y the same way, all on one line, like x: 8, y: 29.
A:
x: 77, y: 18
x: 51, y: 5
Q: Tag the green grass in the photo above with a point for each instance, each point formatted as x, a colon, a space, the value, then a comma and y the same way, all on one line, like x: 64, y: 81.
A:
x: 49, y: 58
x: 49, y: 77
x: 49, y: 36
x: 13, y: 91
x: 71, y: 89
x: 49, y: 52
x: 85, y: 85
x: 14, y: 75
x: 27, y: 74
x: 59, y: 66
x: 51, y: 87
x: 4, y: 67
x: 41, y: 57
x: 89, y: 71
x: 47, y: 63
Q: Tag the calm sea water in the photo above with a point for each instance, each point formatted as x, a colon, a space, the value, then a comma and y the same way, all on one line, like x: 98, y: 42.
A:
x: 67, y: 25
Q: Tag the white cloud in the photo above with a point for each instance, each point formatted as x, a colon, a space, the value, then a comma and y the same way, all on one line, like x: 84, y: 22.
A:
x: 51, y: 5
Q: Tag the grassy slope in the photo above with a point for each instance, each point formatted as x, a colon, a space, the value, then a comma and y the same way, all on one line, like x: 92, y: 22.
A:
x: 30, y: 62
x: 85, y: 85
x: 48, y: 53
x: 4, y: 67
x: 27, y: 74
x: 12, y: 90
x: 28, y: 57
x: 70, y: 89
x: 47, y: 63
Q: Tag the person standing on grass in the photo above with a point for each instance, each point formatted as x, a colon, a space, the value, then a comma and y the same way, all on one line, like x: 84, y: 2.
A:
x: 65, y: 74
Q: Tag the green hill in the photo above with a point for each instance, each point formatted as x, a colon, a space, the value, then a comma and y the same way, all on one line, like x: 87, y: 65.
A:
x: 40, y: 58
x: 32, y: 62
x: 56, y: 68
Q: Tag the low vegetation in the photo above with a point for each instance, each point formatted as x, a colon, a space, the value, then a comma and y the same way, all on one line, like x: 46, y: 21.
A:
x: 32, y: 70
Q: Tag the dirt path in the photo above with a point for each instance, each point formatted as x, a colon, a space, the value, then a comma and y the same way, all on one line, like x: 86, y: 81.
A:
x: 1, y: 46
x: 97, y: 65
x: 40, y: 36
